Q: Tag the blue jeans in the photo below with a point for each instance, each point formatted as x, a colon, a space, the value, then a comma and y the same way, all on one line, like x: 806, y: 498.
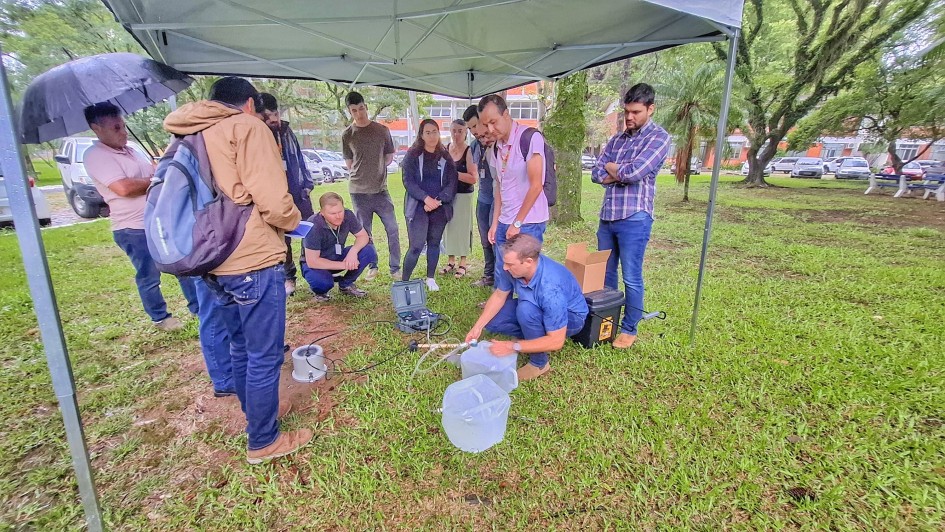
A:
x: 524, y: 319
x: 503, y: 280
x: 322, y: 281
x: 148, y: 278
x: 218, y: 323
x: 256, y: 347
x: 484, y: 221
x: 627, y: 238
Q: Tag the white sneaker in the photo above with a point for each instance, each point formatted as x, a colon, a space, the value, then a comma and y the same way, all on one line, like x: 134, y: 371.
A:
x: 432, y: 286
x: 289, y: 287
x: 370, y: 274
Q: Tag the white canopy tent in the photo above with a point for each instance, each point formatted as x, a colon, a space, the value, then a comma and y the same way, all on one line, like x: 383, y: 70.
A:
x: 465, y: 48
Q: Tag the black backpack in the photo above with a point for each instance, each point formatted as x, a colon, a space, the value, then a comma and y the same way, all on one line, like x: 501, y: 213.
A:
x: 551, y: 177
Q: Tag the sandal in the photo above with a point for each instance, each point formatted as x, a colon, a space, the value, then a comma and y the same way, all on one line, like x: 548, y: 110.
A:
x: 448, y: 268
x: 460, y: 272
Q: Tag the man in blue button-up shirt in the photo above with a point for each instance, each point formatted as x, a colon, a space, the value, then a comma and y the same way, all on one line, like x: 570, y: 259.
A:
x: 549, y: 308
x: 627, y: 170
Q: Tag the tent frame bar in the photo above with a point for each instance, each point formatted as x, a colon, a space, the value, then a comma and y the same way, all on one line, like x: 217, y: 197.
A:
x: 721, y: 132
x: 158, y: 26
x: 40, y: 284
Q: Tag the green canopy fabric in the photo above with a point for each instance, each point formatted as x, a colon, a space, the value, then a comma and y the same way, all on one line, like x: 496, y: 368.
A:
x: 464, y: 48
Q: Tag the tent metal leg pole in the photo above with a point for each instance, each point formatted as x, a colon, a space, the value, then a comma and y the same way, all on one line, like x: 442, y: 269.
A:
x: 713, y: 187
x: 44, y: 303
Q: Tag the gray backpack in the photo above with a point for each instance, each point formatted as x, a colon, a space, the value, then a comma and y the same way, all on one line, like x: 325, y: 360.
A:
x: 191, y: 227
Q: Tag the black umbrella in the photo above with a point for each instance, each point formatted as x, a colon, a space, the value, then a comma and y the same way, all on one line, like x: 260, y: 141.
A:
x: 54, y: 103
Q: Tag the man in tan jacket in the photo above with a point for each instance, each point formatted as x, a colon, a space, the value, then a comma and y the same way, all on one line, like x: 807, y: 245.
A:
x: 245, y: 162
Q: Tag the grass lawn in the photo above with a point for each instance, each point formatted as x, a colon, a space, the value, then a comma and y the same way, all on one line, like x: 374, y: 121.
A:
x: 46, y: 174
x: 813, y: 397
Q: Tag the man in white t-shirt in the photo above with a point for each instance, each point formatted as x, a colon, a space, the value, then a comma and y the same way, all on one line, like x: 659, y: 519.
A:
x: 121, y: 175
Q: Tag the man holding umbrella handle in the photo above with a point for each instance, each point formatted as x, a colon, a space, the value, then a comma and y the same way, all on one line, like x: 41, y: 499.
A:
x: 122, y: 175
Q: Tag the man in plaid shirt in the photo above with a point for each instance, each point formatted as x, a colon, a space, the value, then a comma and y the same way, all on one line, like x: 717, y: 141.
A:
x: 627, y: 170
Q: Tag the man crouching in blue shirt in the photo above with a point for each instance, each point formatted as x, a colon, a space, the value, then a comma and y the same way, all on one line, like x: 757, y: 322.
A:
x: 328, y: 258
x: 549, y: 308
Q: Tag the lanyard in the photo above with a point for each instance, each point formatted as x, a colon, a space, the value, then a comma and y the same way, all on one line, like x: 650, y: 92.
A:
x: 336, y: 234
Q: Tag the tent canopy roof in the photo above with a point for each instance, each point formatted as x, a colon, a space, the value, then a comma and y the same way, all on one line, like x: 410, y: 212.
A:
x: 465, y: 48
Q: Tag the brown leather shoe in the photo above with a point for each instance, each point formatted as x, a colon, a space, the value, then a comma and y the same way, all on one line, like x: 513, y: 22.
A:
x: 530, y: 371
x: 286, y: 443
x: 624, y: 340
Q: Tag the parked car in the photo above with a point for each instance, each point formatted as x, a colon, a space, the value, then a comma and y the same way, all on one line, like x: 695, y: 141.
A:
x: 785, y: 164
x: 929, y: 163
x: 808, y: 167
x: 913, y: 170
x: 393, y: 167
x: 76, y: 183
x: 588, y: 162
x: 833, y: 163
x: 39, y: 201
x: 695, y: 166
x: 331, y: 166
x: 768, y: 169
x: 853, y: 168
x: 399, y: 156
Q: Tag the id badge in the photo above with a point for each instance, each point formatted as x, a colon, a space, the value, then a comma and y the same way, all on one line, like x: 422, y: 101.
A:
x: 338, y: 249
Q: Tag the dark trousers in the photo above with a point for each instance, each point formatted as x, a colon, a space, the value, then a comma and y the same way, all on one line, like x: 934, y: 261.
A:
x: 148, y: 277
x: 365, y: 206
x: 525, y: 320
x: 218, y: 323
x: 256, y: 347
x: 627, y: 239
x: 304, y: 204
x: 425, y: 228
x: 322, y: 281
x: 484, y: 221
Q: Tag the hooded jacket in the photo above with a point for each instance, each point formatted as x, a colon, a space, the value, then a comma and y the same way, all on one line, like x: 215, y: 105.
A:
x: 247, y: 168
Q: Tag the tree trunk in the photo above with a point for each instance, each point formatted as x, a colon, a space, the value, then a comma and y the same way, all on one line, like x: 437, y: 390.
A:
x: 894, y: 160
x: 565, y: 130
x: 624, y: 87
x: 757, y: 160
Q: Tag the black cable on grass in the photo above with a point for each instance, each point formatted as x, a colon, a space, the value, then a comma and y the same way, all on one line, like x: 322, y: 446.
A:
x: 334, y: 363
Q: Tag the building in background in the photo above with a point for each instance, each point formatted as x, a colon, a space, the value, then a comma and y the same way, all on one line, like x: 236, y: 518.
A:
x: 523, y: 101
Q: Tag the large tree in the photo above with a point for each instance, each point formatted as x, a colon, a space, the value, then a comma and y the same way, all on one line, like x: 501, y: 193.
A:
x: 794, y: 54
x: 888, y: 100
x: 565, y: 129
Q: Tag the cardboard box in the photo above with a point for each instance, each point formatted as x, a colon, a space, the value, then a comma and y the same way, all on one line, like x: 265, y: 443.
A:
x: 588, y: 267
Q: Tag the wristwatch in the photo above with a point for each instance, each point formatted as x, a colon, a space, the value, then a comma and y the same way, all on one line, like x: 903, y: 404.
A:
x: 517, y: 224
x: 517, y: 347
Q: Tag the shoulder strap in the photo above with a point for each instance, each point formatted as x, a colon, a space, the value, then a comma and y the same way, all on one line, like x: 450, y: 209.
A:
x: 526, y: 140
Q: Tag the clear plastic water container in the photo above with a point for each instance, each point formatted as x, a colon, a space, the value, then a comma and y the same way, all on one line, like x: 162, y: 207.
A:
x: 478, y: 360
x: 475, y: 413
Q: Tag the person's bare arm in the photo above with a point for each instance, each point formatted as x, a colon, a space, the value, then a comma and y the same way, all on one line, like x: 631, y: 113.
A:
x: 130, y: 187
x: 535, y: 169
x: 552, y: 341
x: 315, y: 261
x: 493, y: 306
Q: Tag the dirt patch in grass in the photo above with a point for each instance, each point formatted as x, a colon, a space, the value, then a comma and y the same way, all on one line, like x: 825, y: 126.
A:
x: 191, y: 407
x: 889, y: 213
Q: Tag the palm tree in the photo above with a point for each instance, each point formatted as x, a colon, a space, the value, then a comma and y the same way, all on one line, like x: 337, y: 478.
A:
x: 688, y: 107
